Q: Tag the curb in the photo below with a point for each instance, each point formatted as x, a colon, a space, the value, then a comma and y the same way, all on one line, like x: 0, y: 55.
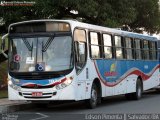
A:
x: 15, y: 107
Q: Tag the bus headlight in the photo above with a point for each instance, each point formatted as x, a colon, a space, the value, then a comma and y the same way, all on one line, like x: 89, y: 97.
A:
x: 12, y: 85
x: 10, y: 82
x: 67, y: 82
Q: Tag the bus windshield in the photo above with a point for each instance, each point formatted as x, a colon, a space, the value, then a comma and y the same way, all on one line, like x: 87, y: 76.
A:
x: 40, y: 54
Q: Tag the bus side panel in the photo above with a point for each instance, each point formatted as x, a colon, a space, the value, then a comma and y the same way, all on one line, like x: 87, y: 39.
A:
x: 131, y: 83
x: 120, y: 78
x: 94, y: 74
x: 153, y: 81
x: 120, y: 66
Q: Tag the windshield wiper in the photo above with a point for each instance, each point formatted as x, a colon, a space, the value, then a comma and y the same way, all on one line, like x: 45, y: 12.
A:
x: 28, y: 44
x: 30, y: 48
x: 48, y: 43
x: 45, y: 47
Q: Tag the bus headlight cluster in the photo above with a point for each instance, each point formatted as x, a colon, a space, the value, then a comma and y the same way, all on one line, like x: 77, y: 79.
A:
x: 67, y: 82
x: 12, y: 85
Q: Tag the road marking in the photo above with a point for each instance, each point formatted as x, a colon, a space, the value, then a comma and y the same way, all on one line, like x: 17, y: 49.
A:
x: 42, y: 116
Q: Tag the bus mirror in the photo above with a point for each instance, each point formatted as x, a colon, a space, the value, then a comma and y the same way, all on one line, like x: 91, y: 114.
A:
x: 3, y: 44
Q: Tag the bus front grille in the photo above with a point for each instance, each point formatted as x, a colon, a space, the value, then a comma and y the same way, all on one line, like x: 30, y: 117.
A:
x: 37, y: 87
x: 44, y: 95
x: 37, y: 97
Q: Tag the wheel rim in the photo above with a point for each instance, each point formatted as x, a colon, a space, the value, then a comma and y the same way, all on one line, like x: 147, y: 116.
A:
x: 94, y: 96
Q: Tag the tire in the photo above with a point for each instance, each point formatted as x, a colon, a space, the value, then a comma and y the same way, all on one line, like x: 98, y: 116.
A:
x: 139, y: 90
x: 138, y: 94
x: 93, y: 101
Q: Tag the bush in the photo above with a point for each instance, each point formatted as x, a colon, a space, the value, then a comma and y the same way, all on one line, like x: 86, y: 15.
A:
x: 3, y: 71
x: 3, y: 75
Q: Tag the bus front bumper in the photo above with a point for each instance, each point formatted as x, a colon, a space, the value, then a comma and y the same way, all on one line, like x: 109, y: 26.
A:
x: 47, y: 94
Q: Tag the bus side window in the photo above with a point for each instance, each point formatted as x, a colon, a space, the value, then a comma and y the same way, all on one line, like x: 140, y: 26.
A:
x: 138, y: 49
x: 153, y: 50
x: 107, y: 42
x: 118, y: 45
x: 129, y: 49
x: 80, y: 49
x: 94, y: 45
x: 145, y: 50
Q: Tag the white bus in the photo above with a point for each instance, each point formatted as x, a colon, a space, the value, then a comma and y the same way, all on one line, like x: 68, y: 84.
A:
x: 59, y: 60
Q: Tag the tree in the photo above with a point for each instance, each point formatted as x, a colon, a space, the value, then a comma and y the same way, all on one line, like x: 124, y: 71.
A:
x: 138, y: 15
x: 148, y: 16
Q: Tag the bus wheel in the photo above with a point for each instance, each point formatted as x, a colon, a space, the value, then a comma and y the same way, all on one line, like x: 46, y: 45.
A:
x: 92, y: 102
x: 136, y: 95
x: 139, y: 89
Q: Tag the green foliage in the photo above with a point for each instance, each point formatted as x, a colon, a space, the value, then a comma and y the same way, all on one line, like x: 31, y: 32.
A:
x: 3, y: 69
x: 3, y: 72
x: 148, y: 16
x: 111, y: 13
x: 3, y: 93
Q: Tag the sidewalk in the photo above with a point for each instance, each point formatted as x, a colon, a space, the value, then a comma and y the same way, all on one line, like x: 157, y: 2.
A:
x: 5, y: 101
x: 7, y: 106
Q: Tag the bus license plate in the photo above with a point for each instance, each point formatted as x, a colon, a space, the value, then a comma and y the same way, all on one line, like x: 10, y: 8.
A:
x: 37, y: 94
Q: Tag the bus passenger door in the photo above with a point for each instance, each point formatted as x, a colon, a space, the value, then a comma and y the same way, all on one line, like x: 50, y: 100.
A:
x: 80, y: 63
x: 81, y: 69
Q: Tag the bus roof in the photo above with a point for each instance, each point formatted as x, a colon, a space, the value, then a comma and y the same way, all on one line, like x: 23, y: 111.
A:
x: 75, y: 24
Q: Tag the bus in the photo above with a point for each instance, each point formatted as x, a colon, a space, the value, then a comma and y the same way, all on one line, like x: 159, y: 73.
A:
x: 159, y: 49
x: 67, y: 60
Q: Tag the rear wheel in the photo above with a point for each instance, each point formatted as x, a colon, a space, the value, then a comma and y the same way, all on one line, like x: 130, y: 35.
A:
x: 138, y: 94
x: 139, y: 89
x: 92, y: 102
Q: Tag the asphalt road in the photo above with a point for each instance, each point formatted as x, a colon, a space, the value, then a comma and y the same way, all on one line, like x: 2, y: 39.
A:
x: 118, y: 105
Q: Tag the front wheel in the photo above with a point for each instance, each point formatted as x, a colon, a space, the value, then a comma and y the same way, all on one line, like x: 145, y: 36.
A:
x: 92, y: 102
